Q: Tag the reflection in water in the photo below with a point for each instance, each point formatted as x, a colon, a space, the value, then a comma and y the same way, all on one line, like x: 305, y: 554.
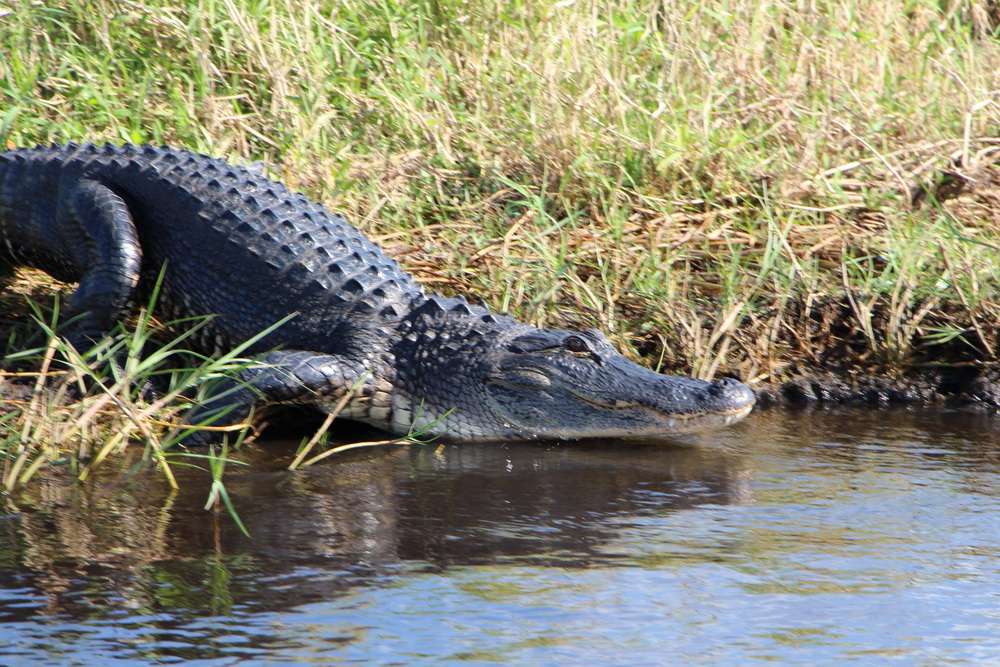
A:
x: 449, y: 505
x: 770, y: 540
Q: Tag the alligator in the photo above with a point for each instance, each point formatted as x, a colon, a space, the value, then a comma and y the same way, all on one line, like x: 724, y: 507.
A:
x: 225, y: 241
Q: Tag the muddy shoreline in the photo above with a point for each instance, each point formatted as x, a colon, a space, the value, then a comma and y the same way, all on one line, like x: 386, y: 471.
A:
x: 971, y: 388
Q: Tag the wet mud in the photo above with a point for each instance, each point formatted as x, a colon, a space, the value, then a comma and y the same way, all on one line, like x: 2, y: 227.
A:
x: 964, y: 387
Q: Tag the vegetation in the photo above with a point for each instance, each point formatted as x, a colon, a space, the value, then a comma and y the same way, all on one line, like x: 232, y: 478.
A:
x: 758, y: 188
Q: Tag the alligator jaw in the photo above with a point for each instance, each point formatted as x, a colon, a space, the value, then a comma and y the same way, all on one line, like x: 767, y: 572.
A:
x: 691, y: 423
x: 659, y: 426
x: 545, y: 388
x: 669, y: 428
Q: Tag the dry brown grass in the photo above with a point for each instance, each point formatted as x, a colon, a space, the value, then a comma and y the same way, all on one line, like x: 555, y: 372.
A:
x: 729, y: 187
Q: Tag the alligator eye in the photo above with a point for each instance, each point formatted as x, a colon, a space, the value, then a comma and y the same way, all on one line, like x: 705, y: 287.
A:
x: 576, y: 344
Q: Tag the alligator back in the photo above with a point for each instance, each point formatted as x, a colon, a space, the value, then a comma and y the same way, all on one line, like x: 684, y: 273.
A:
x: 233, y: 243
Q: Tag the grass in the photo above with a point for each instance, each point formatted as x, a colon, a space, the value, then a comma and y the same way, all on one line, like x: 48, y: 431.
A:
x: 82, y: 408
x: 760, y: 189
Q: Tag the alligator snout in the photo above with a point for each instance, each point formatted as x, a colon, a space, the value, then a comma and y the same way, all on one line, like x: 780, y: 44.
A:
x: 731, y: 394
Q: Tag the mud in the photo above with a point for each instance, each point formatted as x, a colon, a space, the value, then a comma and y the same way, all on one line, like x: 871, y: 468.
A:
x: 973, y: 388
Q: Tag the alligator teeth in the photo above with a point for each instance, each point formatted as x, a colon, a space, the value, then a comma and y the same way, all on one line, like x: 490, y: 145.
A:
x: 617, y: 404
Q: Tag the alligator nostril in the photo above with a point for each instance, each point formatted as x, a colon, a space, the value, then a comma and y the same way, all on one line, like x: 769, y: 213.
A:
x: 724, y: 386
x: 731, y: 392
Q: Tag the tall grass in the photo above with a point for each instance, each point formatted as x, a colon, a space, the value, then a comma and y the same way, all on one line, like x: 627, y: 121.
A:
x: 83, y: 407
x: 756, y: 188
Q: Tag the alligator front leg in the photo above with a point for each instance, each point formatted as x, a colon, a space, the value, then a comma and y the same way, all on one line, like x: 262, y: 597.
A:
x: 283, y: 377
x: 97, y: 228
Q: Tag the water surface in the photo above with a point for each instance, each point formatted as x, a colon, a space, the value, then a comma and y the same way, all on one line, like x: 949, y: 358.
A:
x: 810, y: 538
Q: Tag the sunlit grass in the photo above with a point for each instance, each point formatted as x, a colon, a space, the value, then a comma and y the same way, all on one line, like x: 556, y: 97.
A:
x: 84, y: 407
x: 731, y: 187
x: 624, y: 164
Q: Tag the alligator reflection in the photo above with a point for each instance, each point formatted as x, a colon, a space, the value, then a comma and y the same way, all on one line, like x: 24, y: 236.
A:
x: 89, y: 550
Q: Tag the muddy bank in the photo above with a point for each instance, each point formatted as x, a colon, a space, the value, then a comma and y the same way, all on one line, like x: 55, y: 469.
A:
x: 966, y: 387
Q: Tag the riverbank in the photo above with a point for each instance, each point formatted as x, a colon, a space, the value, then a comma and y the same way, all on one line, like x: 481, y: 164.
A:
x: 754, y: 190
x: 758, y: 190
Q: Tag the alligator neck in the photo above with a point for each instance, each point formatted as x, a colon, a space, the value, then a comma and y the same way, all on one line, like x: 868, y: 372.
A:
x: 436, y: 342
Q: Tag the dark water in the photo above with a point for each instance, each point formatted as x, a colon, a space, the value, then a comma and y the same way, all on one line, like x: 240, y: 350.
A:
x: 795, y: 538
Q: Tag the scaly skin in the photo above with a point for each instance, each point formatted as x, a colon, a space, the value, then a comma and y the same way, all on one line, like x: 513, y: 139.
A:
x: 241, y: 247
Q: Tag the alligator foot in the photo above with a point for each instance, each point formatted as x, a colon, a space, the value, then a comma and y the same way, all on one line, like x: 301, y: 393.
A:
x: 284, y: 377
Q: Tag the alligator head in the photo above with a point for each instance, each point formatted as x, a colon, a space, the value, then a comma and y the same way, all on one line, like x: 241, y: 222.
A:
x: 570, y: 385
x: 529, y: 383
